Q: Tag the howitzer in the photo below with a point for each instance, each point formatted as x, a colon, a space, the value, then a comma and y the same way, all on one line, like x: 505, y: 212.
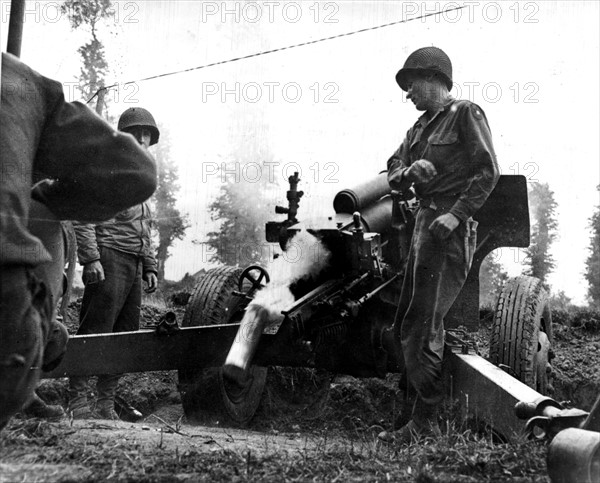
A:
x: 338, y: 320
x: 345, y: 312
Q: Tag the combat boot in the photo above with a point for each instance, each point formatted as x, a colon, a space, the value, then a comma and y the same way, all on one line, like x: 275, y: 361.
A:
x: 422, y: 424
x: 37, y: 408
x: 425, y: 417
x: 408, y: 398
x: 78, y: 403
x: 107, y: 387
x: 105, y: 409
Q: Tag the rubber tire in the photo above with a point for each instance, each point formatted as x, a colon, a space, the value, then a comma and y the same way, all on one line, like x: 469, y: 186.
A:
x: 522, y: 311
x: 299, y: 393
x: 203, y: 394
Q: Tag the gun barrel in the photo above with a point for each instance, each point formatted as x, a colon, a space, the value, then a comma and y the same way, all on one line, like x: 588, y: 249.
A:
x: 363, y: 195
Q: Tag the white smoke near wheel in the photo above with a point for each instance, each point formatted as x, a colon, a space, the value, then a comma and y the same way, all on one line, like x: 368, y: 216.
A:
x: 305, y: 257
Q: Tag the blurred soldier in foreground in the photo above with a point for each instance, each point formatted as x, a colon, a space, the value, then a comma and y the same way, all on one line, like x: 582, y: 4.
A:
x: 116, y: 256
x: 449, y: 158
x: 87, y: 171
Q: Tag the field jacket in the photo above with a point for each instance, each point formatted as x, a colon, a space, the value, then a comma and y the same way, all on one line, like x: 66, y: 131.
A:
x: 458, y: 141
x: 128, y: 231
x: 68, y: 148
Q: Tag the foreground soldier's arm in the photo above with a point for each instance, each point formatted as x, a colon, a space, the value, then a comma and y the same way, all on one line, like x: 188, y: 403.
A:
x: 93, y: 171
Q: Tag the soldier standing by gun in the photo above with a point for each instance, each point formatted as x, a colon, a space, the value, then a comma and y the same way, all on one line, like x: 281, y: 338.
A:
x: 70, y: 150
x: 449, y: 158
x: 116, y: 256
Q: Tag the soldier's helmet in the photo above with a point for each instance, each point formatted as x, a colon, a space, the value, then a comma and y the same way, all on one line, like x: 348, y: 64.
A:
x: 427, y: 61
x: 138, y: 116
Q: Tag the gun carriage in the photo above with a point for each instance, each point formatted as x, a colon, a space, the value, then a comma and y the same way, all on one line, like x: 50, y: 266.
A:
x: 339, y: 317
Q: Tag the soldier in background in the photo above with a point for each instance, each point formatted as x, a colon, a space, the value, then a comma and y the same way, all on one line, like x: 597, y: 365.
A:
x: 449, y: 158
x: 116, y: 256
x: 86, y: 171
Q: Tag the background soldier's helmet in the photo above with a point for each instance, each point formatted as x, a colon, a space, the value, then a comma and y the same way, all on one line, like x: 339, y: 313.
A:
x: 138, y: 116
x: 427, y: 60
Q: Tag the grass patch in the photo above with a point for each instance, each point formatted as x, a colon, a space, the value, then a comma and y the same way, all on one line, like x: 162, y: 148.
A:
x: 455, y: 457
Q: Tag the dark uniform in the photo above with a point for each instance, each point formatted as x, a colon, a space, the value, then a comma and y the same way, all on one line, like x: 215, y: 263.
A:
x: 454, y: 172
x: 457, y: 140
x: 87, y: 171
x: 124, y: 248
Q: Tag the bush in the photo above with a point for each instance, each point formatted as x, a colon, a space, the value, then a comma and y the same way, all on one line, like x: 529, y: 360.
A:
x: 579, y: 317
x: 186, y: 284
x: 587, y: 319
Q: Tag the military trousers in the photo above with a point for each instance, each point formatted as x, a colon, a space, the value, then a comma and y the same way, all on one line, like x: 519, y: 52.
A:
x: 114, y: 304
x: 435, y: 274
x: 110, y: 306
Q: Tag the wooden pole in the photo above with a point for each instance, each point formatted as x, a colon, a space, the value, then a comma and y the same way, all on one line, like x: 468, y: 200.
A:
x: 15, y: 27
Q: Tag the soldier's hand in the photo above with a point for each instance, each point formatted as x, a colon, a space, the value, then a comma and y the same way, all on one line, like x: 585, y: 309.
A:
x: 151, y: 281
x: 420, y: 171
x: 443, y: 225
x: 92, y: 273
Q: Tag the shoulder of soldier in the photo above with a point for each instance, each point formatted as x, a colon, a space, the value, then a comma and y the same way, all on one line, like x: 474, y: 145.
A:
x: 413, y: 128
x: 15, y: 70
x: 18, y: 78
x: 465, y: 106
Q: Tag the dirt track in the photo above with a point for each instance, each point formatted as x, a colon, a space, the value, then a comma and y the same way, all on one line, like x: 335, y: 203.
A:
x: 137, y: 442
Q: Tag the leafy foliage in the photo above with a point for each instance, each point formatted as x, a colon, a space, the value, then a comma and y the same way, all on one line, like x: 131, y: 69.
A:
x: 560, y: 300
x: 170, y: 223
x: 242, y: 208
x: 592, y: 263
x: 538, y: 258
x: 90, y: 13
x: 86, y: 12
x: 248, y: 192
x: 492, y: 277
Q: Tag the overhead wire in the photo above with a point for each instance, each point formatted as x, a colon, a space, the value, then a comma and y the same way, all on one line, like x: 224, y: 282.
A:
x: 279, y: 49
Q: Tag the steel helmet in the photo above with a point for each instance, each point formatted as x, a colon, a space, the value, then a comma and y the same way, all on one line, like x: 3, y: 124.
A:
x: 138, y: 116
x: 426, y: 60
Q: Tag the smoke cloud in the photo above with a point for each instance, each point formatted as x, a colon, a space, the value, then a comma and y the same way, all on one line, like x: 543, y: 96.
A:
x: 308, y: 257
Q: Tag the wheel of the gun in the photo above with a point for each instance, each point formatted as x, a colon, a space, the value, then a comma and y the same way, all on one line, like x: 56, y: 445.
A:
x: 522, y: 332
x: 204, y: 395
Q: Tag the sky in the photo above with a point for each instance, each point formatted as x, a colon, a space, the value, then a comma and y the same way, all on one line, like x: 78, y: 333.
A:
x: 332, y: 109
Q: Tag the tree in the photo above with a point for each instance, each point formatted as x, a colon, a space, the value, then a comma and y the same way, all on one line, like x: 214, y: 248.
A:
x: 492, y: 277
x: 560, y: 301
x: 538, y: 259
x: 169, y: 221
x: 592, y: 264
x: 90, y: 13
x: 242, y: 209
x: 248, y: 185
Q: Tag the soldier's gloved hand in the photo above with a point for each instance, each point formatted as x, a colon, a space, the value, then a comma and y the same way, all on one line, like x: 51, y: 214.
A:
x: 420, y: 171
x: 151, y: 281
x: 443, y: 225
x: 92, y: 273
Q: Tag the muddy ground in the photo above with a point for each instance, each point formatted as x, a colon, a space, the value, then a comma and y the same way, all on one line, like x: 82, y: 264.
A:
x: 332, y: 440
